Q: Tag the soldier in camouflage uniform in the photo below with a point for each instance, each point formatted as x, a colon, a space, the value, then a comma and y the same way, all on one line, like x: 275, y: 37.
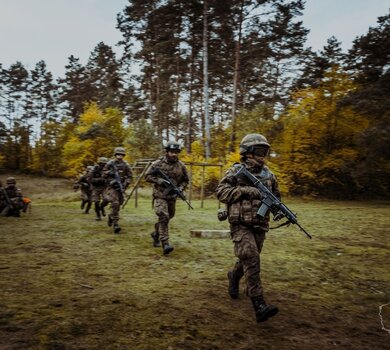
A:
x: 118, y: 174
x: 98, y: 182
x: 247, y: 229
x: 12, y: 194
x: 85, y: 188
x: 164, y: 201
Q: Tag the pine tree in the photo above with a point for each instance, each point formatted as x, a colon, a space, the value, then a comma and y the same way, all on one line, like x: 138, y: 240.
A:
x: 75, y: 89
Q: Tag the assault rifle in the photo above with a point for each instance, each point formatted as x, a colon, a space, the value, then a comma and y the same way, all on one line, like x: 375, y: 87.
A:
x: 269, y: 201
x: 170, y: 186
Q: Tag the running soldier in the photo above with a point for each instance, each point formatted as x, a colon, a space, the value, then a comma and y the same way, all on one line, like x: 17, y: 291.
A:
x: 98, y: 183
x: 85, y: 188
x: 118, y: 174
x: 247, y: 229
x: 164, y: 200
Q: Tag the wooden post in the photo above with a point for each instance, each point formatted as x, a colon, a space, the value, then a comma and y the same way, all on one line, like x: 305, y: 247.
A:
x: 202, y: 188
x: 190, y: 187
x: 136, y: 197
x: 220, y: 178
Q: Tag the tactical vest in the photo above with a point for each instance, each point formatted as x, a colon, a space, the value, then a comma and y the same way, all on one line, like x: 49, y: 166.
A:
x: 123, y: 168
x: 244, y: 211
x: 175, y: 171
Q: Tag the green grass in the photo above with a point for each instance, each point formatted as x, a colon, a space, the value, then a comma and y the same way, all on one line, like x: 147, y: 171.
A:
x: 67, y: 282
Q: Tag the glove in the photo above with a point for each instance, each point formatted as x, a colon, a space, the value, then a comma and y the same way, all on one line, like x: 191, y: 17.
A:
x: 279, y: 215
x: 251, y: 192
x: 222, y: 214
x: 161, y: 182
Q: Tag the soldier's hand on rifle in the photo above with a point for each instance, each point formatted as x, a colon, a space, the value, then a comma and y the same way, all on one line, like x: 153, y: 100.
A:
x: 162, y: 182
x: 278, y: 216
x: 251, y: 192
x: 181, y: 191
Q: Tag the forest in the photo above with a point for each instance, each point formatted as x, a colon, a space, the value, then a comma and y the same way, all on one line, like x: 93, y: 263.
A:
x: 207, y: 73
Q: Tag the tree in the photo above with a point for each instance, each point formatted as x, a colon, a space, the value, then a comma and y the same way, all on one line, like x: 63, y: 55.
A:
x: 75, y: 88
x: 96, y: 135
x: 103, y: 76
x: 369, y: 62
x: 318, y: 149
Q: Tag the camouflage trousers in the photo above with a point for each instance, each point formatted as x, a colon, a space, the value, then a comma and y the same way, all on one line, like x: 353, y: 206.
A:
x: 97, y: 193
x: 85, y: 195
x: 248, y: 242
x: 116, y: 199
x: 165, y: 210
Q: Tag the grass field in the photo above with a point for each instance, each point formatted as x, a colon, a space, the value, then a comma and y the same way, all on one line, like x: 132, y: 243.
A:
x: 67, y: 282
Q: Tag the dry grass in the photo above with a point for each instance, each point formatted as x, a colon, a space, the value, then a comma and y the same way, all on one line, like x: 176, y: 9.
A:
x: 67, y: 282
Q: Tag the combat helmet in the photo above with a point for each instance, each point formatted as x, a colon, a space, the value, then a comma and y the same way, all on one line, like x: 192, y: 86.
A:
x: 119, y: 150
x: 173, y: 146
x: 102, y: 160
x: 11, y: 181
x: 251, y: 140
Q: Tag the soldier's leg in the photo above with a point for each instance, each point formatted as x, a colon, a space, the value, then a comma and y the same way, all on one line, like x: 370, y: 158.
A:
x: 162, y: 211
x: 246, y: 250
x: 115, y: 208
x: 156, y: 236
x: 234, y: 277
x: 104, y: 201
x: 109, y: 194
x: 88, y: 207
x: 95, y: 200
x: 248, y: 245
x: 84, y: 199
x: 89, y: 202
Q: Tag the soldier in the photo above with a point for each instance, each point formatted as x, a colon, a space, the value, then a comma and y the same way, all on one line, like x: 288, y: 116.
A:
x: 12, y: 199
x: 3, y: 200
x: 165, y: 201
x: 86, y: 189
x: 118, y: 175
x: 246, y: 228
x: 98, y: 183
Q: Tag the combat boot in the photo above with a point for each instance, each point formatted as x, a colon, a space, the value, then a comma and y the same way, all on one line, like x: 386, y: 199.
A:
x: 234, y: 285
x: 166, y: 247
x: 262, y: 310
x: 117, y: 228
x: 109, y: 222
x: 156, y: 242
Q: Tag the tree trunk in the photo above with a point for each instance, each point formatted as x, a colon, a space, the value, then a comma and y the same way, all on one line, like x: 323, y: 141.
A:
x: 205, y: 81
x: 236, y: 78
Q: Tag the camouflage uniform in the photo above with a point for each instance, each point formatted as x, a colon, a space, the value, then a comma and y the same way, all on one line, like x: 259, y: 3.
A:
x: 113, y: 194
x: 15, y: 196
x: 247, y: 229
x: 164, y: 201
x: 99, y: 184
x: 85, y: 190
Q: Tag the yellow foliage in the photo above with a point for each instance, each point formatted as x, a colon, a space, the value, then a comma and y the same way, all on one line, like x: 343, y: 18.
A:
x: 97, y: 134
x: 318, y: 145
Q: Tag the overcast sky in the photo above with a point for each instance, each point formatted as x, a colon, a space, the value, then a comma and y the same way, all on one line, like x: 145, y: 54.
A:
x: 52, y: 30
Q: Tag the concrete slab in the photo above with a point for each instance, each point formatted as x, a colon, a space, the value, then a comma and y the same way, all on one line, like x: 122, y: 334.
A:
x: 210, y: 233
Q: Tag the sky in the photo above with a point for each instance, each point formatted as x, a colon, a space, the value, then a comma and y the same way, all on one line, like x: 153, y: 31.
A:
x: 52, y: 30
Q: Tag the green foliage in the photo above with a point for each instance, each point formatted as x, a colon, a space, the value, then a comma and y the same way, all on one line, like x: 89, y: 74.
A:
x: 143, y: 141
x: 96, y: 135
x: 47, y: 153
